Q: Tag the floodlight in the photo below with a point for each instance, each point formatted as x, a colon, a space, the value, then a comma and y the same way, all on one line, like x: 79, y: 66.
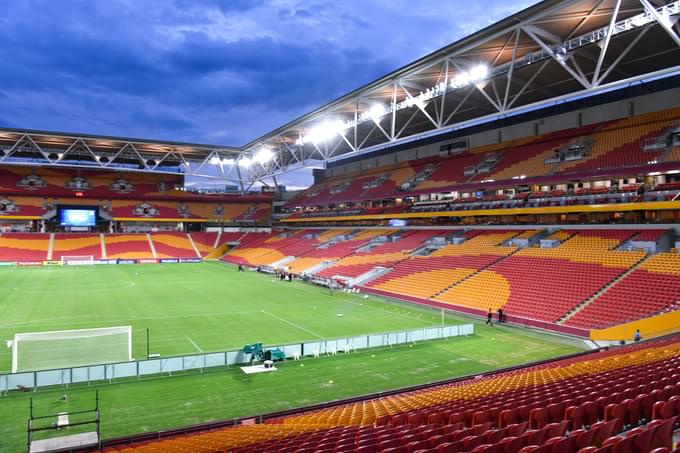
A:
x: 324, y: 131
x: 244, y: 162
x: 227, y: 161
x: 460, y: 80
x: 479, y: 72
x: 376, y: 111
x: 214, y: 160
x: 475, y: 74
x: 263, y: 156
x: 640, y: 20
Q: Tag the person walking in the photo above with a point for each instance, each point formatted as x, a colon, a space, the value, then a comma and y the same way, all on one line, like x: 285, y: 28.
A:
x: 489, y: 318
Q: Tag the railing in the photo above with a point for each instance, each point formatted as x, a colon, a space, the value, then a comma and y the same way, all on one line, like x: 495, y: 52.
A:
x: 168, y: 365
x: 261, y: 418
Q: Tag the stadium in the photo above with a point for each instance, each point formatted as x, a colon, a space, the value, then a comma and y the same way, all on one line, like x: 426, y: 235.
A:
x: 487, y: 261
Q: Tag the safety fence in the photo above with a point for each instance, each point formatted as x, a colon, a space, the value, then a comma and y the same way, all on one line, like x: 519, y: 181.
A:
x: 169, y: 365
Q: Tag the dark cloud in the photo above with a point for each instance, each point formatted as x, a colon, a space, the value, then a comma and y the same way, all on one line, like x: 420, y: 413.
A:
x: 223, y: 71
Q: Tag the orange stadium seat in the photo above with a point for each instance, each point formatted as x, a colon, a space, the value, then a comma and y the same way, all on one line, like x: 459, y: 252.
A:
x: 128, y: 246
x: 173, y: 245
x: 562, y: 405
x: 73, y: 244
x: 541, y: 283
x: 608, y: 145
x: 24, y: 246
x: 651, y: 289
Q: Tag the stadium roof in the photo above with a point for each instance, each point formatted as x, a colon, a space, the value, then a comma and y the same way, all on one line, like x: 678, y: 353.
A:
x: 551, y: 52
x: 31, y: 147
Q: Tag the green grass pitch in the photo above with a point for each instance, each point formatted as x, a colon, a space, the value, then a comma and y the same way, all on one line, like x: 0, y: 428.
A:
x: 209, y: 307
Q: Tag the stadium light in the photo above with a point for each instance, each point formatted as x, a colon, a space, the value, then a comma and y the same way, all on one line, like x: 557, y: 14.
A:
x: 460, y: 80
x: 244, y: 162
x: 478, y: 73
x: 215, y: 160
x: 474, y: 75
x: 482, y: 72
x: 324, y: 131
x: 263, y: 156
x: 376, y: 111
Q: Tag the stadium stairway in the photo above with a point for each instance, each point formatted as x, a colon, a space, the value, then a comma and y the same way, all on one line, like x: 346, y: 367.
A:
x: 471, y: 275
x: 573, y: 312
x: 207, y: 242
x: 102, y: 246
x: 50, y: 246
x: 624, y: 400
x: 152, y: 247
x: 539, y: 284
x: 173, y: 245
x: 128, y: 246
x: 384, y: 254
x: 430, y: 275
x: 652, y: 288
x: 193, y: 246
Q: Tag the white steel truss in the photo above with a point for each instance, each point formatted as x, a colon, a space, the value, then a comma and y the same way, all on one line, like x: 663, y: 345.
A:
x: 546, y: 54
x: 28, y: 148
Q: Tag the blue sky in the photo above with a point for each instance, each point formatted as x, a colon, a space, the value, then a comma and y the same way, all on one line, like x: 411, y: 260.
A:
x: 208, y: 71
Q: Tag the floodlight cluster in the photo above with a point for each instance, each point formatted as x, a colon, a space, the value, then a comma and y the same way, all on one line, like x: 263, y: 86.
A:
x: 474, y: 75
x: 330, y: 129
x: 262, y: 157
x: 323, y: 132
x: 215, y: 160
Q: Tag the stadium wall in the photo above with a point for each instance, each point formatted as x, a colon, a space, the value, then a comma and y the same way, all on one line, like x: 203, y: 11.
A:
x: 517, y: 320
x: 629, y: 226
x: 651, y: 327
x: 271, y: 417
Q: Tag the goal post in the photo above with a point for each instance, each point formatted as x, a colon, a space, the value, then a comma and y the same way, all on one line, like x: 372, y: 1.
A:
x: 36, y: 351
x: 77, y: 260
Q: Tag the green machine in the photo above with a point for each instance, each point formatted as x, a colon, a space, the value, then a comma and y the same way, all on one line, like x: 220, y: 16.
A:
x: 258, y: 353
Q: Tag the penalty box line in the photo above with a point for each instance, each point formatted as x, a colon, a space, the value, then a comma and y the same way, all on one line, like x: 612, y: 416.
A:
x: 290, y: 323
x: 195, y: 345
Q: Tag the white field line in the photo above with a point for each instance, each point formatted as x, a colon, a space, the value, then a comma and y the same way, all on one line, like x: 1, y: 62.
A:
x: 292, y: 324
x: 195, y: 345
x: 86, y: 290
x: 40, y: 322
x: 391, y: 312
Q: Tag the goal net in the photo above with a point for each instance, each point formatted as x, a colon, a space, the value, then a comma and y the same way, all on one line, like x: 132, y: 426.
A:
x: 77, y: 260
x: 71, y: 348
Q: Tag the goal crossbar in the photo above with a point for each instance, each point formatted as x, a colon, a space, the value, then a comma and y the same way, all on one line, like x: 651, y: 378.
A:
x: 71, y: 348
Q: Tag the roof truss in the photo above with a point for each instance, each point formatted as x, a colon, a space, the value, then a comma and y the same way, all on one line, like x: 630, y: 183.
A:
x: 553, y: 51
